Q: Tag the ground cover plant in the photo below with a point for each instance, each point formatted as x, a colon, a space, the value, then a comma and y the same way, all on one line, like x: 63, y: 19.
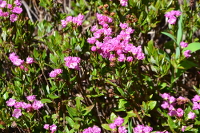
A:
x: 99, y: 66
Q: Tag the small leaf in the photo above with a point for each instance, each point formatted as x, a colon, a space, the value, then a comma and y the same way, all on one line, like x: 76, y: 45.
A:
x: 169, y: 35
x: 193, y: 47
x: 46, y: 101
x: 106, y: 126
x: 70, y: 121
x: 152, y: 104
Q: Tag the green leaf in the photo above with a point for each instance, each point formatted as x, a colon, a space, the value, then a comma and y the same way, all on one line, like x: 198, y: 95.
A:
x: 112, y: 116
x: 178, y: 52
x: 152, y: 104
x: 169, y: 35
x: 70, y: 121
x: 88, y: 109
x: 46, y: 101
x: 180, y: 31
x: 106, y: 126
x: 53, y: 96
x: 172, y: 124
x: 193, y: 47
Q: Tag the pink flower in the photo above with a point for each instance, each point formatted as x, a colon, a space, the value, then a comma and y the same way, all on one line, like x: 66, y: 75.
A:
x: 17, y: 113
x: 172, y: 20
x: 11, y: 102
x: 3, y: 4
x: 122, y: 129
x: 72, y: 62
x: 31, y: 98
x: 55, y: 72
x: 187, y: 53
x: 118, y: 121
x: 191, y: 115
x: 165, y: 96
x: 46, y: 126
x: 29, y: 60
x: 53, y: 128
x: 112, y: 125
x: 18, y: 105
x: 9, y: 6
x: 183, y: 44
x: 180, y: 112
x: 37, y: 105
x: 13, y: 17
x: 17, y: 2
x: 17, y: 10
x: 124, y: 2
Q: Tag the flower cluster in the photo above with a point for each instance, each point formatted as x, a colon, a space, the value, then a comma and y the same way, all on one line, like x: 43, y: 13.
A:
x: 170, y: 103
x: 118, y: 123
x: 19, y: 62
x: 75, y: 20
x: 72, y: 62
x: 55, y: 72
x: 52, y: 128
x: 12, y: 10
x: 124, y: 2
x: 117, y: 47
x: 36, y: 105
x: 142, y: 129
x: 94, y: 129
x: 171, y: 16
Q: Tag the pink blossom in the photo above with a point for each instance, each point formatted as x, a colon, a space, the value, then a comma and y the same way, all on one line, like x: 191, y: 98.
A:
x: 29, y: 60
x: 72, y: 62
x: 37, y: 105
x: 18, y: 105
x: 3, y: 4
x: 122, y: 129
x: 11, y: 102
x: 183, y: 44
x: 112, y: 125
x: 53, y: 128
x: 31, y: 97
x: 172, y: 20
x: 55, y: 72
x: 191, y: 115
x: 180, y: 112
x: 13, y: 17
x: 18, y: 2
x: 124, y: 2
x: 9, y: 6
x: 17, y: 113
x: 46, y: 126
x: 118, y: 121
x: 17, y: 10
x: 187, y: 53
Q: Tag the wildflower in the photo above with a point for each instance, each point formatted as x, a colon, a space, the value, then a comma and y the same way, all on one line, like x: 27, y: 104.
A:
x: 124, y: 2
x: 187, y: 53
x: 46, y: 126
x: 17, y: 10
x: 171, y: 16
x: 118, y: 121
x: 183, y: 128
x: 31, y: 97
x: 37, y: 105
x: 94, y: 129
x: 142, y: 128
x: 53, y: 128
x: 122, y: 129
x: 3, y: 4
x: 29, y: 60
x: 17, y: 113
x: 183, y: 44
x: 165, y: 96
x: 55, y: 72
x: 191, y: 115
x: 18, y: 105
x: 13, y: 17
x: 112, y: 125
x: 72, y: 62
x: 11, y: 102
x: 179, y: 112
